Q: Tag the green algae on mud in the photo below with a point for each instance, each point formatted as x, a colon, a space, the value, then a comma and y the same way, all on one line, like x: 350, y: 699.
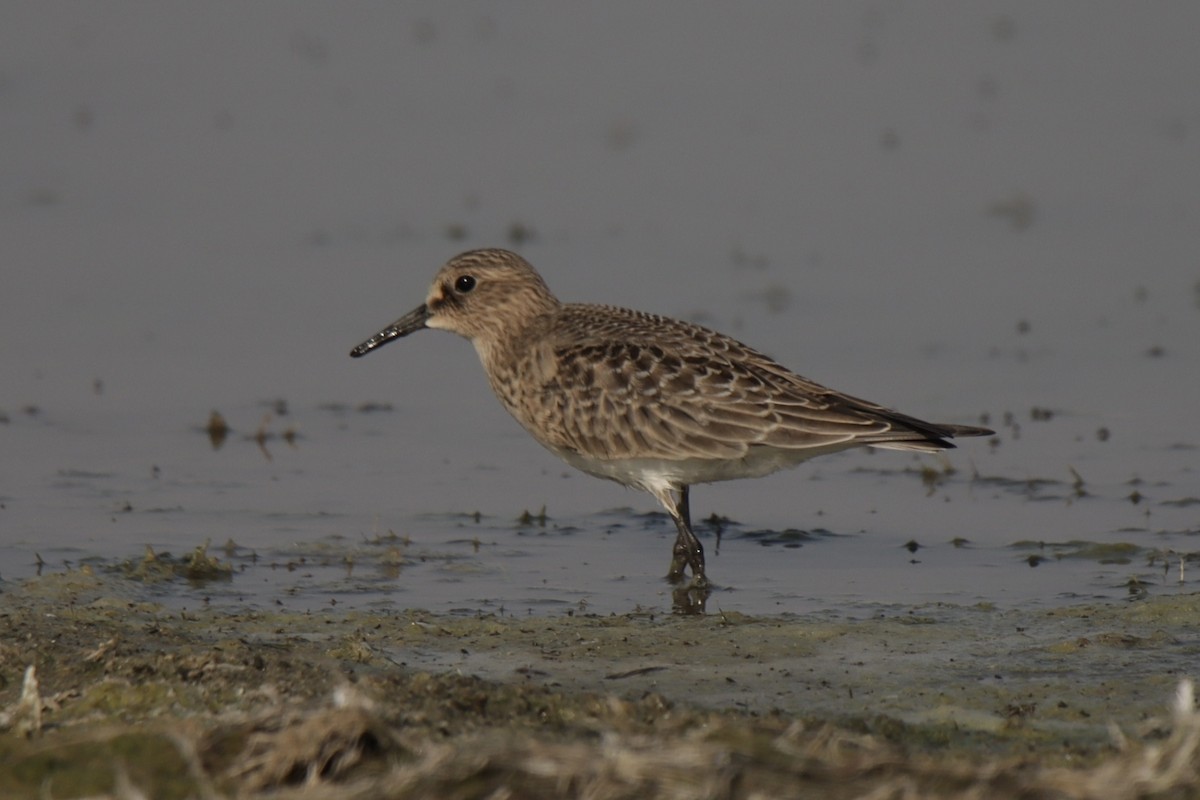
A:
x: 946, y: 698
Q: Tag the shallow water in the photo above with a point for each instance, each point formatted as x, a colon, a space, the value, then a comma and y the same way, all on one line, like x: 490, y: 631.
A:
x: 321, y: 522
x: 897, y: 204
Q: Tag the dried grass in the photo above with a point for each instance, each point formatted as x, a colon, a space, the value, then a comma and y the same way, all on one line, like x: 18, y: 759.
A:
x: 353, y: 749
x: 349, y: 752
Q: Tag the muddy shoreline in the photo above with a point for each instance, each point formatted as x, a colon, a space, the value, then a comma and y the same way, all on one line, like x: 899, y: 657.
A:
x: 235, y: 704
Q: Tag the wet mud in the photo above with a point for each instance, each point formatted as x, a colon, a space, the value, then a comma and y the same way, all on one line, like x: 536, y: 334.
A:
x: 107, y: 694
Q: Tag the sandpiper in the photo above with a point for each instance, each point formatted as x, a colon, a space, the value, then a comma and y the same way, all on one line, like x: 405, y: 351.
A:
x: 649, y: 402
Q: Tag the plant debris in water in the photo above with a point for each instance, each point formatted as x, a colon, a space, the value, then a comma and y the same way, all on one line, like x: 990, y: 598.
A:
x: 197, y: 567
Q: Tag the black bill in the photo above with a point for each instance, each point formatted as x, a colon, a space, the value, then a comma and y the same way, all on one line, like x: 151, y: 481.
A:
x: 411, y: 322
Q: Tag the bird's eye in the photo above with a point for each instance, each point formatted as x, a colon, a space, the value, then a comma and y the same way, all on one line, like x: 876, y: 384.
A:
x: 464, y: 284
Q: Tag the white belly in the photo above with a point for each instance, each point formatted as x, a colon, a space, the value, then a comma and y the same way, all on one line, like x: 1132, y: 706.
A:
x: 654, y: 473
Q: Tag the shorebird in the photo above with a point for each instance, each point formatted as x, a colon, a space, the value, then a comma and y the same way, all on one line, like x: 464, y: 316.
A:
x: 650, y: 402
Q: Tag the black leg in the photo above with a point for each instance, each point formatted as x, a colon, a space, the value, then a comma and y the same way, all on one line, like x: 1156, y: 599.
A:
x: 687, y: 552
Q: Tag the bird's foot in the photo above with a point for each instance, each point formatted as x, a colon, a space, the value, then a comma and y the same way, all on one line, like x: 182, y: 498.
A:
x: 679, y: 566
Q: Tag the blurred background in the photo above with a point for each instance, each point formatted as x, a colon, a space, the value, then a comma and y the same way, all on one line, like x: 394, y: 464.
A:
x: 963, y: 210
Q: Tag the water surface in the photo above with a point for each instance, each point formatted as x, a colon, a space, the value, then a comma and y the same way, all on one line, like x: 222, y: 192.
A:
x: 982, y: 214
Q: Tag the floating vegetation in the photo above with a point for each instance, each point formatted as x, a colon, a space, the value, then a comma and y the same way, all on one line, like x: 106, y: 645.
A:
x: 1100, y: 552
x: 1183, y: 502
x: 527, y: 519
x: 789, y: 537
x: 197, y: 566
x: 217, y: 430
x: 1077, y: 484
